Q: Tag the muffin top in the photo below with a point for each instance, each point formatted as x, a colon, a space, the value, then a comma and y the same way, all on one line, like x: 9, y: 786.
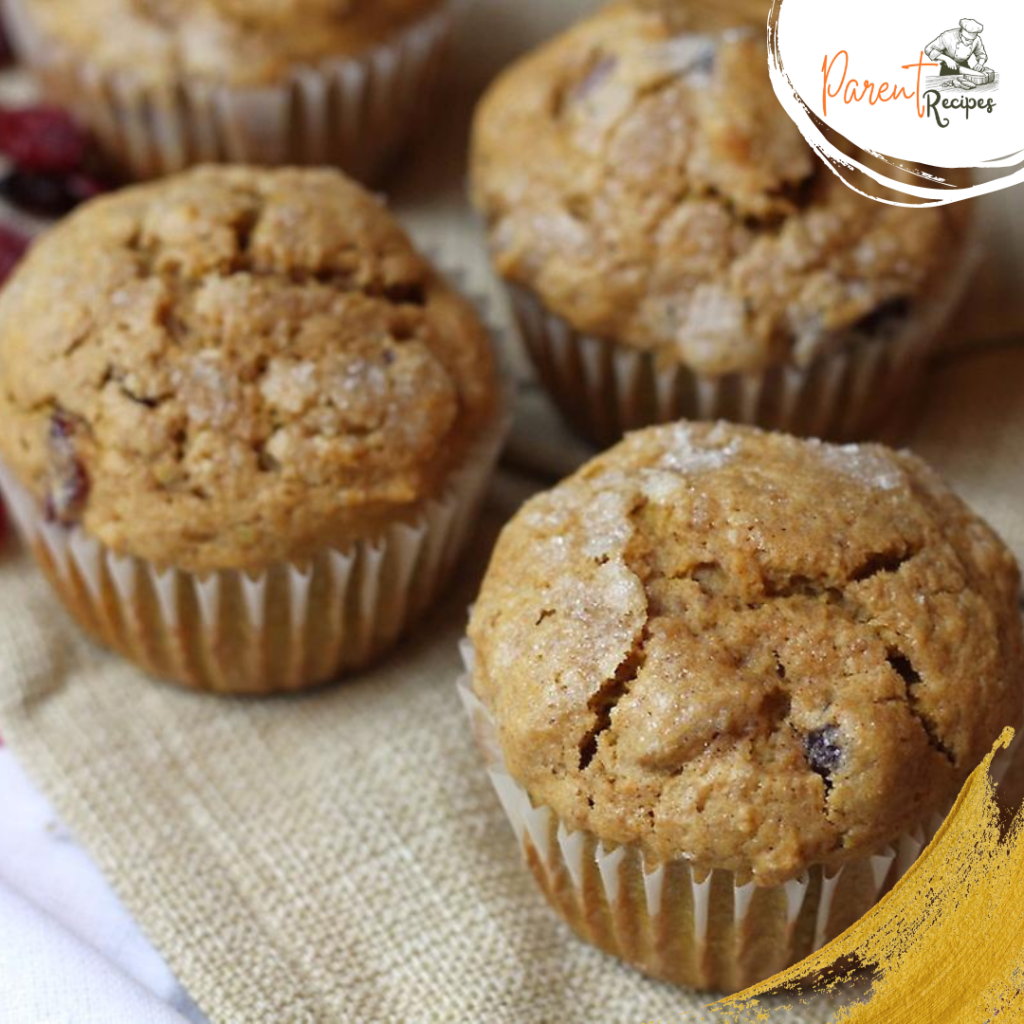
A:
x: 244, y: 42
x: 751, y: 651
x: 233, y: 366
x: 669, y: 203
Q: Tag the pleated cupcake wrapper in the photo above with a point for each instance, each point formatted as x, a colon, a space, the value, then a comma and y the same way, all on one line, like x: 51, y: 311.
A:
x: 288, y: 627
x: 352, y: 112
x: 606, y: 389
x: 706, y: 931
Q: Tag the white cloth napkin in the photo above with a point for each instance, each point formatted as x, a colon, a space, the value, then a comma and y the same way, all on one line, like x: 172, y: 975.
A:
x: 69, y: 953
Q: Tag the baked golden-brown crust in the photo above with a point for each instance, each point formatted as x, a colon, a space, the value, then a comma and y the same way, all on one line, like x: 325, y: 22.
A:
x: 234, y: 366
x: 242, y: 42
x: 755, y: 652
x: 643, y: 180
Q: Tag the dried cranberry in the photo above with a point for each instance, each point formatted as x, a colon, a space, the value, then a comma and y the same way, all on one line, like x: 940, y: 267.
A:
x: 823, y: 751
x: 42, y: 139
x: 62, y: 426
x: 48, y: 195
x: 69, y: 481
x: 12, y: 248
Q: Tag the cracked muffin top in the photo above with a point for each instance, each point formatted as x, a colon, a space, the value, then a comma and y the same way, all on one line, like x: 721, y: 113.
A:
x: 234, y: 366
x: 755, y: 652
x: 670, y: 204
x: 244, y: 42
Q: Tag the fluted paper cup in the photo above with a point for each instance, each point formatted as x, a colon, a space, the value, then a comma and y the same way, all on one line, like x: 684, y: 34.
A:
x: 353, y: 112
x: 605, y: 389
x: 708, y: 931
x: 290, y: 626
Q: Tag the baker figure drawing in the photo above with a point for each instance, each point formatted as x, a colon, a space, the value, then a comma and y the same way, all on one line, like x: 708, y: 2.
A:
x: 960, y: 50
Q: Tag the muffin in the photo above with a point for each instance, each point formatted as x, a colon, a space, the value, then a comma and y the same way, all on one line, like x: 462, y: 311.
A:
x: 244, y: 426
x: 729, y: 681
x: 166, y: 85
x: 674, y: 248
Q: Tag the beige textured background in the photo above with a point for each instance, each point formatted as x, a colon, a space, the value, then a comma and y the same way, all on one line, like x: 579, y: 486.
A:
x: 341, y: 856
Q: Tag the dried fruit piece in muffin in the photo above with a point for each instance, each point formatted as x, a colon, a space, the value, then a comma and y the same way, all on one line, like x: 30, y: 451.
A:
x: 824, y: 754
x: 68, y: 480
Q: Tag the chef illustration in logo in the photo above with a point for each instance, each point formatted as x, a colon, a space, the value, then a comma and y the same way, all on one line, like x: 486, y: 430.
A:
x: 961, y: 52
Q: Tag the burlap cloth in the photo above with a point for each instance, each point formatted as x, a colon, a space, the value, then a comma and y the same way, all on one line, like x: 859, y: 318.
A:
x: 342, y: 856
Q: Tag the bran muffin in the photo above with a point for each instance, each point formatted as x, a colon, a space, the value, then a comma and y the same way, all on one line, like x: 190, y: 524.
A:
x: 240, y: 376
x: 749, y: 668
x: 675, y: 248
x: 164, y: 85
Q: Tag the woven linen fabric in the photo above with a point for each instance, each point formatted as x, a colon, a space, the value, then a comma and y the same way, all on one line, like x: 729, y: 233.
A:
x: 341, y: 856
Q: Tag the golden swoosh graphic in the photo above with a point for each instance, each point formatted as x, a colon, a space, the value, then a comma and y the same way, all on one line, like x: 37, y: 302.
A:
x: 945, y: 946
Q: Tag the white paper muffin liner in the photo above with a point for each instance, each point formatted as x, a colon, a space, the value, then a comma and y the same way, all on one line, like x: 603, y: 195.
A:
x: 606, y: 389
x: 705, y: 932
x: 290, y: 626
x: 353, y: 112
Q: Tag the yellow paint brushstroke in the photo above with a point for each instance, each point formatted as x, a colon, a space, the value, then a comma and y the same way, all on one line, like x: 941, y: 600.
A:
x: 945, y: 946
